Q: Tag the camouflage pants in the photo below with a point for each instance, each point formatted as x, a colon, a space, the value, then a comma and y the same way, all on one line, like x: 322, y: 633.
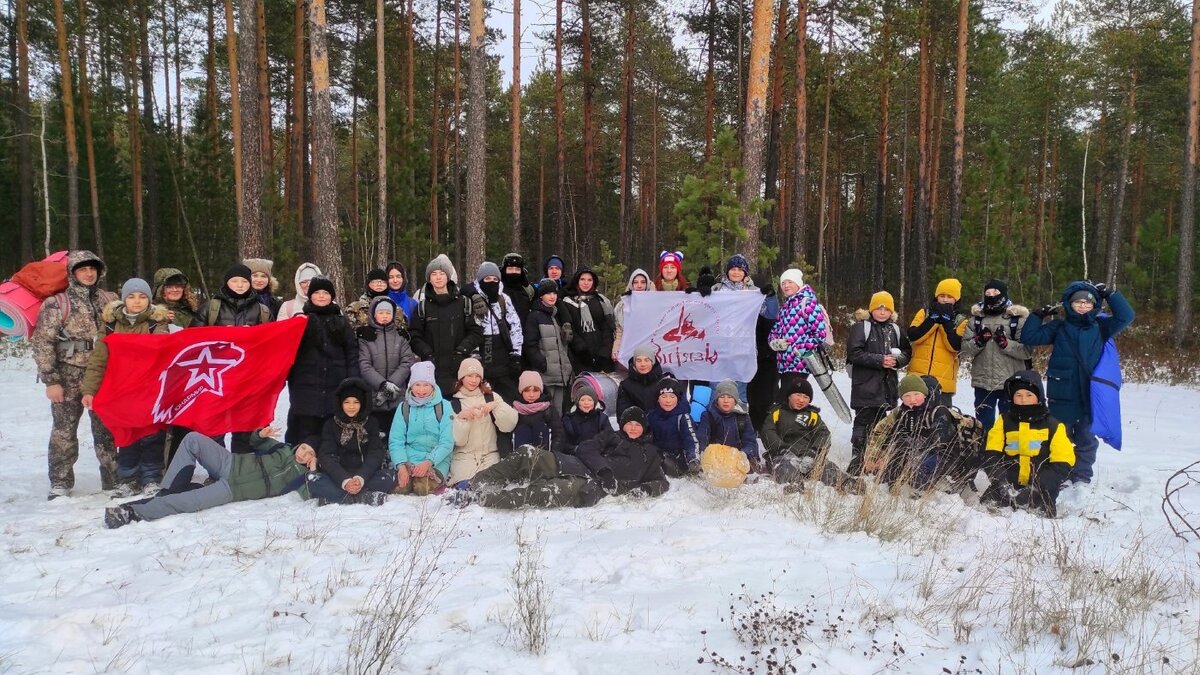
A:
x: 64, y: 437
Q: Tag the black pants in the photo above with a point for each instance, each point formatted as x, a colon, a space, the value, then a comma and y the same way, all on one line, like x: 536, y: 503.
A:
x: 302, y: 429
x: 865, y: 419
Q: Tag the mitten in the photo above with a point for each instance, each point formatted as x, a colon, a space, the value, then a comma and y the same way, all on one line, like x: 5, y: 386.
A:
x: 1001, y: 339
x: 1046, y: 311
x: 779, y: 345
x: 1102, y: 291
x: 982, y: 337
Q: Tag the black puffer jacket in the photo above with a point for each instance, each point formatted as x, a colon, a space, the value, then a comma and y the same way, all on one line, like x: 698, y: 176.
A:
x: 328, y: 354
x: 443, y: 330
x: 357, y: 457
x: 543, y: 430
x: 580, y: 426
x: 638, y: 389
x: 870, y: 383
x: 633, y: 464
x: 591, y: 346
x: 245, y: 310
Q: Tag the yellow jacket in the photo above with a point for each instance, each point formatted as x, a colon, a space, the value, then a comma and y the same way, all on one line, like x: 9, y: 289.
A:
x: 1043, y: 442
x: 935, y: 352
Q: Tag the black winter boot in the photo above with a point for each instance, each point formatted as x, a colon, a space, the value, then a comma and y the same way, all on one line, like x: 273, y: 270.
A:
x: 118, y: 516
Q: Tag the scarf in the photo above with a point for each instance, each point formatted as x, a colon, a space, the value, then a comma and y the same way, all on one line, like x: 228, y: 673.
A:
x: 350, y: 429
x: 586, y: 323
x: 534, y: 408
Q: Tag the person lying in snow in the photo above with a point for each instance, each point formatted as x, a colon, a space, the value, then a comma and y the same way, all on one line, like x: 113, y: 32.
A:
x: 613, y: 463
x: 272, y: 469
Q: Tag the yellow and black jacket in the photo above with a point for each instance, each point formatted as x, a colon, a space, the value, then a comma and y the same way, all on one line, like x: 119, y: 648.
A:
x: 1023, y: 449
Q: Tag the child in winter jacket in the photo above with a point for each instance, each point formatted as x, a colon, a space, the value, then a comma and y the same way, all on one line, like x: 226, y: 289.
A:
x: 797, y: 440
x: 384, y: 361
x: 351, y: 456
x: 548, y: 335
x: 139, y: 465
x: 503, y: 334
x: 614, y: 463
x: 515, y: 282
x: 483, y: 423
x: 936, y: 336
x: 235, y: 303
x: 801, y: 328
x: 327, y: 355
x: 422, y: 437
x: 587, y: 417
x: 359, y: 312
x: 539, y: 423
x: 875, y: 350
x: 638, y: 281
x: 671, y: 427
x: 992, y: 340
x: 907, y: 445
x: 726, y: 422
x: 265, y: 284
x: 295, y: 306
x: 1028, y: 454
x: 640, y: 387
x: 445, y: 323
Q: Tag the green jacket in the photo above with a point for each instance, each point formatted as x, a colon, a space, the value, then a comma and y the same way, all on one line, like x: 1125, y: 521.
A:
x: 269, y: 472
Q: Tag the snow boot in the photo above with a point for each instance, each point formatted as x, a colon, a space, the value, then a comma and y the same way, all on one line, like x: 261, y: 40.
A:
x: 57, y: 491
x: 124, y: 489
x: 371, y: 498
x: 118, y: 516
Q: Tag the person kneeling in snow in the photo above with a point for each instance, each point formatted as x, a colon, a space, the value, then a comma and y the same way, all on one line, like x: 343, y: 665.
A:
x: 797, y: 439
x: 352, y: 457
x: 906, y: 446
x: 613, y: 463
x: 272, y: 469
x: 1028, y: 454
x: 726, y: 422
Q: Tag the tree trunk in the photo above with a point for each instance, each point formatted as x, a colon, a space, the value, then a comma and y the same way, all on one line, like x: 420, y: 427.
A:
x: 210, y: 78
x: 960, y: 108
x: 135, y: 147
x: 627, y: 80
x: 879, y: 233
x: 264, y: 107
x: 589, y: 140
x: 235, y: 111
x: 328, y: 244
x: 773, y: 133
x: 382, y: 232
x: 756, y: 122
x: 68, y: 104
x: 710, y: 79
x: 800, y: 150
x: 560, y: 141
x: 476, y: 235
x: 24, y: 132
x: 178, y: 82
x: 822, y: 217
x: 456, y: 176
x: 435, y: 126
x: 149, y: 131
x: 921, y: 215
x: 296, y: 184
x: 166, y: 54
x: 85, y: 95
x: 251, y: 242
x: 1187, y: 202
x: 355, y: 179
x: 1039, y: 238
x: 1113, y: 266
x: 516, y: 128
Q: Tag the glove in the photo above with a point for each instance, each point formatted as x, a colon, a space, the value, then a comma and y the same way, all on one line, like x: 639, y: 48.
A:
x: 607, y: 481
x: 706, y: 290
x: 1046, y: 311
x: 693, y: 467
x: 779, y: 345
x: 391, y: 390
x: 982, y: 337
x: 706, y: 281
x: 756, y: 465
x: 380, y: 399
x: 764, y: 283
x: 1001, y: 339
x: 514, y: 363
x: 1102, y: 291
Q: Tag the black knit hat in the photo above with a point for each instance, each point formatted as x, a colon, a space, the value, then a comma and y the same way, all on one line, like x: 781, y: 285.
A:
x: 377, y: 274
x: 359, y: 389
x: 998, y: 285
x: 633, y: 414
x: 1027, y: 380
x: 237, y: 270
x: 321, y: 284
x: 798, y: 385
x: 547, y: 286
x: 670, y: 384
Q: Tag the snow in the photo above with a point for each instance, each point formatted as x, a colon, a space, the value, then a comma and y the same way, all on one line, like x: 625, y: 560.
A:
x: 634, y: 585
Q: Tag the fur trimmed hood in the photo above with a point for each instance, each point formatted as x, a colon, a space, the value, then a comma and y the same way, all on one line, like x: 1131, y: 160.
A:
x: 1019, y: 311
x: 156, y: 313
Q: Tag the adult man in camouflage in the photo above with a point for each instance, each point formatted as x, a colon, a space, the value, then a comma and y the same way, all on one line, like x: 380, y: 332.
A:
x: 67, y: 329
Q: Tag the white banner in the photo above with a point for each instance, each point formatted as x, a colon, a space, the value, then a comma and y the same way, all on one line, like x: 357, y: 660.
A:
x: 694, y: 337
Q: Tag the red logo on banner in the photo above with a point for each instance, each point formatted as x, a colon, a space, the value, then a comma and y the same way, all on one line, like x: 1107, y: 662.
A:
x: 197, y: 370
x: 684, y: 330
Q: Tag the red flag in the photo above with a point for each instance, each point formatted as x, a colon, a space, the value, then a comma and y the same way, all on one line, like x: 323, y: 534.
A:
x: 213, y: 380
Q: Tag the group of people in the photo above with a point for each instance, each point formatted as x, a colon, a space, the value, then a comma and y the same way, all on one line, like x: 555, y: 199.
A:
x: 471, y: 387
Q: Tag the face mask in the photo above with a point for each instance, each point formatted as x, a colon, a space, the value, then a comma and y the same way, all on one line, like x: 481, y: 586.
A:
x: 491, y: 289
x: 993, y: 301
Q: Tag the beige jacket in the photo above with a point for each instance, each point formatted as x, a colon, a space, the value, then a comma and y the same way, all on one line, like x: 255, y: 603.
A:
x: 475, y: 440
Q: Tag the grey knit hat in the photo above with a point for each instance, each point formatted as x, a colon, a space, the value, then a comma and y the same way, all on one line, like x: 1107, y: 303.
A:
x: 136, y: 285
x: 442, y: 262
x: 726, y: 388
x: 487, y: 269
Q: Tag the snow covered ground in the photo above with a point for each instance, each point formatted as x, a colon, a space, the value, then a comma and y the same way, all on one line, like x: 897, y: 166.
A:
x: 631, y: 586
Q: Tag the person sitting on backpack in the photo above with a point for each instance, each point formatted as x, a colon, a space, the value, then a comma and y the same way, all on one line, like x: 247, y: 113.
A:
x: 875, y: 350
x: 359, y: 313
x: 992, y: 340
x: 617, y: 462
x: 640, y: 387
x: 670, y: 425
x: 384, y: 361
x: 265, y: 285
x: 140, y: 464
x: 587, y: 417
x: 173, y: 293
x: 350, y: 453
x: 445, y: 324
x: 591, y: 314
x: 271, y: 469
x: 796, y: 439
x: 1028, y: 454
x: 638, y: 281
x: 327, y: 355
x: 422, y: 437
x: 547, y: 334
x: 235, y: 303
x: 483, y: 423
x: 539, y: 422
x: 906, y: 447
x: 516, y: 285
x: 936, y: 337
x: 726, y: 422
x: 503, y: 335
x: 295, y: 306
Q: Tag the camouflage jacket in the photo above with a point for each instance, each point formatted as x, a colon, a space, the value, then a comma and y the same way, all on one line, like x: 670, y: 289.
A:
x: 155, y: 320
x: 359, y: 314
x: 69, y: 324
